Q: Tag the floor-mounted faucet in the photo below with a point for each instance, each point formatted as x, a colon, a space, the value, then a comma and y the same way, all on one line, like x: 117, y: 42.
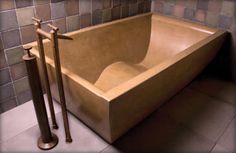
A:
x: 53, y: 36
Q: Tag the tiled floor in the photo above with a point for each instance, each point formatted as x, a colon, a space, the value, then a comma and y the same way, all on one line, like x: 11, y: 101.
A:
x: 201, y: 118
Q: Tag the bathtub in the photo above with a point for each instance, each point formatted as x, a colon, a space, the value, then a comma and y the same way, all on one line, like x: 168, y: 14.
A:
x: 116, y: 74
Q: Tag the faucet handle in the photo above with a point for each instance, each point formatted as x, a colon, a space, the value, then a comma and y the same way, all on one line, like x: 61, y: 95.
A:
x: 53, y: 27
x: 36, y: 20
x: 27, y: 48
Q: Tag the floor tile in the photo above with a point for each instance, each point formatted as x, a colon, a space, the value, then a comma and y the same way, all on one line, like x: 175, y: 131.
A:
x: 203, y: 114
x: 84, y: 140
x: 228, y: 140
x: 220, y: 89
x: 159, y: 133
x: 219, y: 149
x: 23, y: 117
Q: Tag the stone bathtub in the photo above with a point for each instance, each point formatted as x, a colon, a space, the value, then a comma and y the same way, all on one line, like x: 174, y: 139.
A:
x: 116, y: 74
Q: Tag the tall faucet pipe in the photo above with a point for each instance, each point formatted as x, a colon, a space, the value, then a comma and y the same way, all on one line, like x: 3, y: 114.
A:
x: 45, y: 74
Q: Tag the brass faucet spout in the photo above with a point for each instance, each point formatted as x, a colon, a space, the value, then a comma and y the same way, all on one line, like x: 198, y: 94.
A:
x: 43, y: 33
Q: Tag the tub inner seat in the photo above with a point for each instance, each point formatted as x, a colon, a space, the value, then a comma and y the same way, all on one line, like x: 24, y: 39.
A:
x: 117, y: 73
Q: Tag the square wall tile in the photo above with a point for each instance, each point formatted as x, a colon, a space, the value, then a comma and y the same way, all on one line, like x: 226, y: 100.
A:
x: 1, y: 43
x: 8, y: 104
x: 28, y: 34
x: 56, y: 1
x: 200, y: 15
x: 191, y: 4
x: 202, y: 4
x: 115, y: 13
x: 14, y: 55
x: 212, y: 19
x: 21, y: 85
x: 225, y: 22
x: 7, y: 5
x: 61, y: 24
x: 8, y: 20
x: 24, y: 16
x: 4, y: 76
x: 3, y: 62
x: 168, y: 8
x: 72, y: 7
x: 72, y: 23
x: 106, y: 15
x: 58, y: 10
x: 158, y: 6
x: 124, y: 11
x: 40, y: 2
x: 179, y: 11
x: 43, y: 12
x: 189, y: 14
x: 97, y: 5
x: 85, y: 20
x: 228, y: 8
x: 85, y: 6
x: 23, y: 3
x: 106, y: 4
x: 11, y: 38
x: 215, y: 5
x: 24, y: 97
x: 18, y: 71
x: 97, y: 17
x: 116, y: 3
x: 133, y: 9
x: 6, y: 92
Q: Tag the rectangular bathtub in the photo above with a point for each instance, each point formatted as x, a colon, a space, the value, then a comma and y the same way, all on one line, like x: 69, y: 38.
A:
x: 116, y: 74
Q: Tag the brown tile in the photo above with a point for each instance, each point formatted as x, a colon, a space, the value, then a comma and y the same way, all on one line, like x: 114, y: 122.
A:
x: 61, y: 24
x: 115, y: 13
x: 106, y: 15
x: 212, y: 18
x: 124, y: 2
x: 133, y: 9
x: 85, y: 20
x: 56, y: 1
x: 72, y: 23
x: 97, y: 17
x: 24, y: 97
x: 116, y: 3
x: 72, y: 7
x: 28, y: 34
x: 8, y: 20
x: 6, y: 91
x: 97, y: 5
x: 106, y: 4
x: 8, y: 104
x: 14, y: 55
x: 85, y: 6
x: 58, y: 10
x: 1, y: 43
x: 24, y: 16
x: 3, y: 62
x: 158, y: 6
x: 7, y: 5
x: 18, y: 71
x: 21, y: 85
x: 11, y: 38
x: 124, y: 11
x: 215, y: 5
x: 4, y: 76
x: 23, y: 3
x: 179, y: 11
x: 141, y: 7
x: 40, y: 2
x: 43, y: 12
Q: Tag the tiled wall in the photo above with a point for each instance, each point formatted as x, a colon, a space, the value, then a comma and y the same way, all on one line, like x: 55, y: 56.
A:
x: 16, y: 29
x: 215, y: 13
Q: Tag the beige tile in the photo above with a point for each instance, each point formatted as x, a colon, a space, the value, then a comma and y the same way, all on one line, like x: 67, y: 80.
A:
x: 24, y: 16
x: 203, y: 114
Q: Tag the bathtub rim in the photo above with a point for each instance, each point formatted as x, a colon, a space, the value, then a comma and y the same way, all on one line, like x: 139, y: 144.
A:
x: 122, y: 88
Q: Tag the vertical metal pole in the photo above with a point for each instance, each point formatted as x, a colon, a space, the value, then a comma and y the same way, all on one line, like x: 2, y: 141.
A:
x: 45, y: 75
x: 55, y: 49
x: 47, y: 140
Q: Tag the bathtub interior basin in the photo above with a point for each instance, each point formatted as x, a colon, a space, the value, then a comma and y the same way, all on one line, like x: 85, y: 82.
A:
x: 116, y: 74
